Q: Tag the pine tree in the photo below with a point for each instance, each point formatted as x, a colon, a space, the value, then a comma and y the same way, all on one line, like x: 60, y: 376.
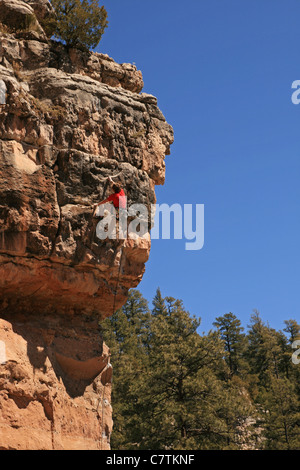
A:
x: 263, y: 351
x: 293, y: 328
x: 282, y: 415
x: 277, y: 400
x: 127, y: 333
x: 159, y: 306
x: 79, y: 23
x: 234, y: 340
x: 176, y: 389
x: 183, y: 394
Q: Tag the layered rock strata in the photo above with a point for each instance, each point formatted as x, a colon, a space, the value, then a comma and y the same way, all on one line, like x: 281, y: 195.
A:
x: 70, y: 120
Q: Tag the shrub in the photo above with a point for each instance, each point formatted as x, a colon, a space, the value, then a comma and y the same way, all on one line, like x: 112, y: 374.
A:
x: 79, y: 23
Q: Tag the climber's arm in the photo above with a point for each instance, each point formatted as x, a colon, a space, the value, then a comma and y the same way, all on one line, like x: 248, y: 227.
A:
x: 109, y: 198
x: 102, y: 202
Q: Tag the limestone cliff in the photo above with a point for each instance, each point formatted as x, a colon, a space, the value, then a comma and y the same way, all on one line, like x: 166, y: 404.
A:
x: 70, y: 120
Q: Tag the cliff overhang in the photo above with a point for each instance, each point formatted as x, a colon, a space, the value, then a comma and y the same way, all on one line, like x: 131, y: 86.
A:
x: 70, y: 119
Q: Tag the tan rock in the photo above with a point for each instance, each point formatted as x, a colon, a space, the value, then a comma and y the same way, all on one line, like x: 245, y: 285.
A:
x: 71, y: 119
x: 17, y: 14
x: 50, y: 400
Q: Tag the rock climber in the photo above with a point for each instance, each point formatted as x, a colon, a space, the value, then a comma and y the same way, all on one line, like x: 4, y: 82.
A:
x: 119, y: 200
x: 118, y: 197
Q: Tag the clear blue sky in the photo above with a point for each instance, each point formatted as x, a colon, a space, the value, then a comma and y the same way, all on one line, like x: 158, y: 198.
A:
x: 222, y: 71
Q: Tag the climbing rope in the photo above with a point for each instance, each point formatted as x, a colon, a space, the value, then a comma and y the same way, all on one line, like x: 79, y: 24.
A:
x: 113, y: 311
x: 115, y: 176
x: 102, y: 433
x: 102, y: 418
x: 118, y: 279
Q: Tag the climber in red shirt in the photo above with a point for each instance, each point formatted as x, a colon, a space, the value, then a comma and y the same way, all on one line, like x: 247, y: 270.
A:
x: 118, y: 197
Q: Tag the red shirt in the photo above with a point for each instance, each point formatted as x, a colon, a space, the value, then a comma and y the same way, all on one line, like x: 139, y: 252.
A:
x: 118, y: 199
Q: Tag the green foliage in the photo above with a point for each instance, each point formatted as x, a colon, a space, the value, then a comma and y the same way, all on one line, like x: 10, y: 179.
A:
x: 282, y: 418
x: 29, y: 23
x: 175, y: 389
x: 234, y: 340
x: 127, y: 333
x: 26, y: 24
x: 79, y: 23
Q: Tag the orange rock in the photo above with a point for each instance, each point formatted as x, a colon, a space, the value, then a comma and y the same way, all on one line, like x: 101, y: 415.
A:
x: 71, y: 119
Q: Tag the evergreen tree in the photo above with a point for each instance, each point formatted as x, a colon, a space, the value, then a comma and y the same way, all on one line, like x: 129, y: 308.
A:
x: 176, y: 389
x: 159, y: 306
x: 182, y: 383
x: 282, y: 416
x: 126, y: 333
x: 263, y: 349
x: 293, y: 329
x: 234, y: 340
x: 277, y: 400
x: 79, y: 23
x: 284, y: 358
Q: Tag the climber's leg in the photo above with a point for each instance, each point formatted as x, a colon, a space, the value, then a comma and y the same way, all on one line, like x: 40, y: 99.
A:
x: 122, y: 216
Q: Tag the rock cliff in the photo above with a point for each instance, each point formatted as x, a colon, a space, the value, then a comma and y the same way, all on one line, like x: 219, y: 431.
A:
x: 69, y: 120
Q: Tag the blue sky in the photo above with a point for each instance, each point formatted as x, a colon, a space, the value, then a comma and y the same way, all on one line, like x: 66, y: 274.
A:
x: 222, y: 71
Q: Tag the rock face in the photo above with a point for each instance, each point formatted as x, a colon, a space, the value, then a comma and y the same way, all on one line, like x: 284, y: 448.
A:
x: 48, y: 399
x: 70, y: 120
